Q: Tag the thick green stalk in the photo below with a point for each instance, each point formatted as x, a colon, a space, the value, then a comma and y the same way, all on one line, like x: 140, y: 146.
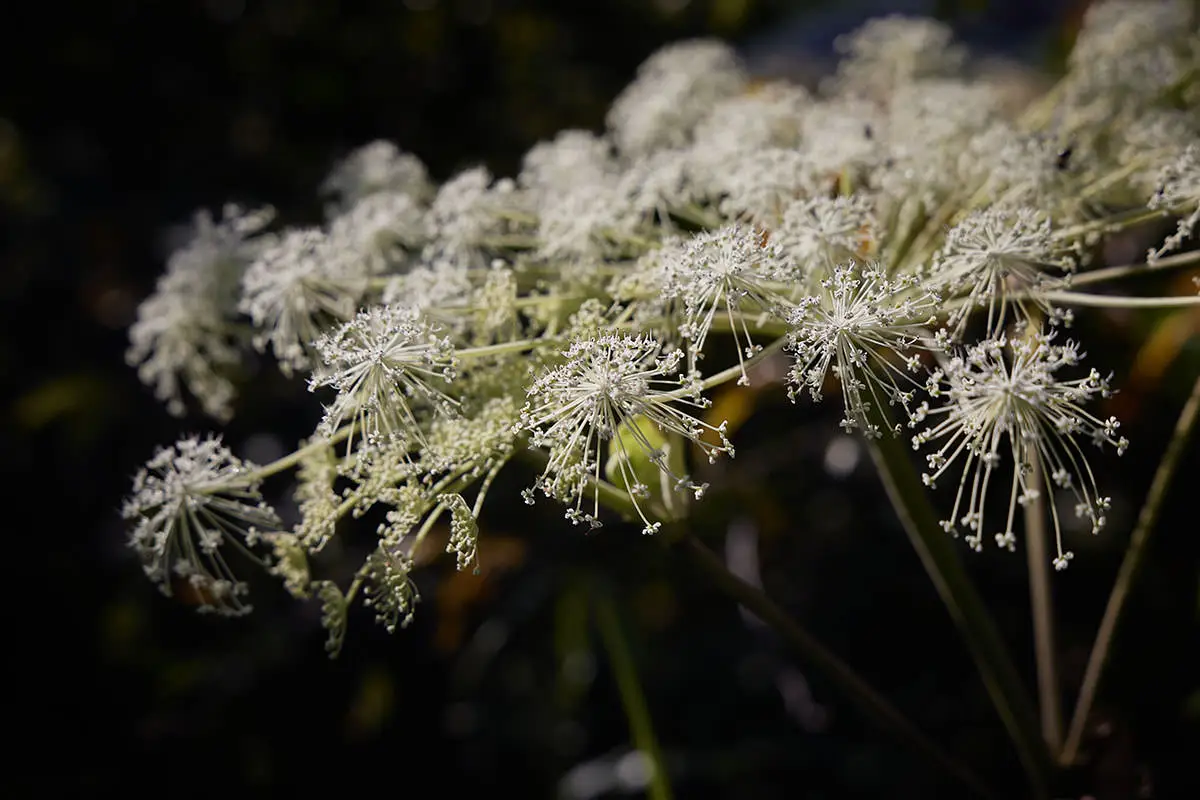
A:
x: 1041, y: 604
x: 1130, y: 566
x: 838, y: 672
x: 938, y: 555
x: 859, y: 692
x: 633, y: 699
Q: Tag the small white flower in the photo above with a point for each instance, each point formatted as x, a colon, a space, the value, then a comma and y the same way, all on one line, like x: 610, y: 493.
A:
x: 584, y: 221
x: 1022, y: 170
x: 842, y: 135
x: 675, y: 88
x: 823, y: 230
x: 929, y: 124
x: 1179, y: 191
x: 188, y: 502
x: 863, y: 327
x: 886, y: 52
x: 664, y: 181
x: 995, y: 258
x: 440, y: 288
x: 380, y: 363
x: 572, y: 158
x: 577, y: 408
x: 727, y: 271
x: 185, y: 334
x: 757, y: 185
x: 377, y: 167
x: 1129, y: 52
x: 381, y: 227
x: 765, y: 116
x: 296, y: 288
x: 388, y: 587
x: 470, y: 213
x: 1004, y: 398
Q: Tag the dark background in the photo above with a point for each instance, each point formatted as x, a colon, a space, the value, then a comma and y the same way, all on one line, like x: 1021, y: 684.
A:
x: 119, y: 119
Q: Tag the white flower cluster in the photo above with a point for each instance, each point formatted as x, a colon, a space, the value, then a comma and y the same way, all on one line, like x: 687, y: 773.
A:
x: 903, y: 236
x: 191, y: 504
x: 185, y: 335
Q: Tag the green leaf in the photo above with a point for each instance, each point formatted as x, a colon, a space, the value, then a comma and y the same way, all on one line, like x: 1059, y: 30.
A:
x: 638, y: 453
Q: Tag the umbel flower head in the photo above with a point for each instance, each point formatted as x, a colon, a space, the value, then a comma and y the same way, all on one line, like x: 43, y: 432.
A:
x: 576, y: 408
x: 862, y: 327
x: 189, y: 502
x: 1005, y: 395
x: 996, y: 258
x: 727, y: 271
x: 185, y: 336
x: 377, y: 167
x: 380, y: 362
x: 296, y: 287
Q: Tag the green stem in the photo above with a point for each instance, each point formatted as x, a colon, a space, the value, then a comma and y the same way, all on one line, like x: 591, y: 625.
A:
x: 1113, y: 224
x: 860, y: 693
x: 502, y: 348
x: 1130, y: 566
x: 1133, y: 270
x: 294, y: 458
x: 726, y: 375
x: 938, y: 555
x: 633, y: 700
x: 1042, y: 609
x: 1116, y: 301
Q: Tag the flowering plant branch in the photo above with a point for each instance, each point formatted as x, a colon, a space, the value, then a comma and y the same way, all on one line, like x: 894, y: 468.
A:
x: 896, y: 235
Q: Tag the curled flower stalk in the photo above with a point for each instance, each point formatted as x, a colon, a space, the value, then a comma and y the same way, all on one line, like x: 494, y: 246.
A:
x: 1000, y: 391
x: 577, y: 408
x: 189, y: 502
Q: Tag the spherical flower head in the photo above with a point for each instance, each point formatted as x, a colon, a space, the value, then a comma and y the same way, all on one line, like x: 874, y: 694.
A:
x: 297, y: 287
x: 185, y: 336
x: 822, y: 230
x: 757, y: 185
x: 864, y: 328
x: 470, y: 211
x: 1021, y: 169
x: 664, y: 181
x: 764, y: 116
x: 675, y: 88
x: 726, y: 271
x: 381, y: 227
x: 929, y: 124
x: 439, y: 288
x: 377, y: 167
x: 583, y: 221
x: 887, y: 52
x: 576, y: 409
x: 842, y: 135
x: 1129, y: 52
x: 188, y: 502
x: 998, y: 259
x: 382, y: 362
x: 1004, y: 397
x: 572, y: 158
